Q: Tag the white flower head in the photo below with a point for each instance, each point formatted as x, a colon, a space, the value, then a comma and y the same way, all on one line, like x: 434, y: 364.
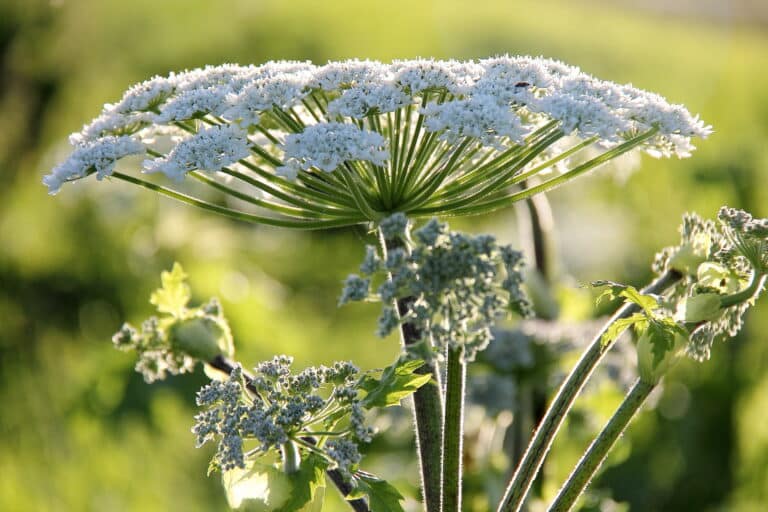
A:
x: 99, y: 155
x: 111, y: 122
x: 421, y: 136
x: 367, y: 99
x: 194, y: 103
x: 211, y: 149
x: 282, y: 91
x: 145, y: 96
x: 335, y: 75
x: 327, y: 146
x: 421, y: 75
x: 480, y: 117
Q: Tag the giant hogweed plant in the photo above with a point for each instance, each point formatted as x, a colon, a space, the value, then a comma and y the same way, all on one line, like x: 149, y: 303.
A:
x: 384, y: 146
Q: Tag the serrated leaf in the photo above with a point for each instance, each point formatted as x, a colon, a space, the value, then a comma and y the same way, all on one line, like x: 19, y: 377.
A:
x: 397, y: 382
x: 614, y: 290
x: 619, y: 326
x: 382, y: 496
x: 173, y: 296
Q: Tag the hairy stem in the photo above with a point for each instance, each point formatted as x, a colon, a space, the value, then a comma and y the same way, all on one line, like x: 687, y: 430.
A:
x: 453, y: 428
x: 520, y: 484
x: 598, y: 450
x: 344, y: 487
x: 427, y: 406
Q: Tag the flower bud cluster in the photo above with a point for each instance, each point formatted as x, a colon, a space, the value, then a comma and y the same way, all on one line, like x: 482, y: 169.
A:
x: 459, y: 284
x: 251, y: 415
x: 174, y: 341
x: 717, y: 260
x: 170, y: 345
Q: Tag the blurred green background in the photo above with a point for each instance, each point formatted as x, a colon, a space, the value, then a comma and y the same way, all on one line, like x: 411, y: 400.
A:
x: 80, y: 431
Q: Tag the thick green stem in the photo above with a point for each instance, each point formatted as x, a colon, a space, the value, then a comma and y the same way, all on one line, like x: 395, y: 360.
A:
x: 427, y: 406
x: 453, y: 428
x: 291, y: 457
x: 520, y: 484
x: 598, y: 450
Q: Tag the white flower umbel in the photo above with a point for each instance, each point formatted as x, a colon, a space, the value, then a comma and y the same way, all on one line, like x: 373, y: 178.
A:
x: 211, y: 149
x: 98, y: 156
x: 352, y: 142
x: 327, y: 146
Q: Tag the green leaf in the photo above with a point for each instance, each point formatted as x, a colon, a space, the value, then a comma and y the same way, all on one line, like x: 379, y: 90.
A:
x: 266, y: 488
x: 382, y: 497
x: 614, y: 290
x: 396, y: 383
x: 173, y: 296
x: 257, y: 488
x: 619, y: 326
x: 308, y: 486
x: 658, y: 348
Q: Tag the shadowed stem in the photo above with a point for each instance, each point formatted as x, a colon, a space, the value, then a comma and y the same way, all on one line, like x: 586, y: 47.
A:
x: 526, y: 472
x: 453, y: 428
x: 344, y: 487
x: 427, y: 404
x: 598, y: 450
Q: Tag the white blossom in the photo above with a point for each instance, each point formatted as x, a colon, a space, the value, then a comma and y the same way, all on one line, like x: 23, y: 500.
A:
x: 211, y: 149
x: 328, y: 145
x: 194, y: 103
x: 111, y: 122
x: 358, y: 102
x: 480, y: 117
x: 99, y: 155
x: 283, y: 91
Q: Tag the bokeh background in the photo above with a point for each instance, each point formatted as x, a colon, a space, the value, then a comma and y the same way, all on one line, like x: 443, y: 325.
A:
x: 80, y: 431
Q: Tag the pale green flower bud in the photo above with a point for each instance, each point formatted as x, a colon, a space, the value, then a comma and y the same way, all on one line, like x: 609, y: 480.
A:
x: 688, y: 256
x: 203, y: 338
x: 701, y: 308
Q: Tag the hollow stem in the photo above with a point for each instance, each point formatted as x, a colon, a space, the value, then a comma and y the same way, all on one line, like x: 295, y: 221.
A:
x: 427, y: 405
x: 291, y: 457
x: 520, y: 484
x: 453, y: 429
x: 598, y: 450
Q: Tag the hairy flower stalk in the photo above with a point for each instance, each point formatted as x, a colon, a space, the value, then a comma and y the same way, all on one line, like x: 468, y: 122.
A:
x: 427, y: 400
x: 350, y: 142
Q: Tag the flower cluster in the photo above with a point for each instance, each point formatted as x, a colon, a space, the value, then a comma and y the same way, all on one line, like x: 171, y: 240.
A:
x: 417, y: 136
x: 454, y: 286
x: 724, y: 265
x: 175, y: 341
x: 251, y: 415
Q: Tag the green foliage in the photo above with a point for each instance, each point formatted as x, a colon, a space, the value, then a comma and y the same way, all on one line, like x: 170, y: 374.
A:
x: 396, y: 382
x: 266, y: 488
x: 174, y: 294
x: 382, y: 496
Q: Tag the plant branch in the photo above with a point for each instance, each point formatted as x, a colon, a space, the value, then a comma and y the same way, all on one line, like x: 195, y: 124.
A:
x: 520, y: 484
x: 598, y: 450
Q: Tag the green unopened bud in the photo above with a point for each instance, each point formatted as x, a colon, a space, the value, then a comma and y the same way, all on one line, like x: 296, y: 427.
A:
x: 203, y: 338
x: 652, y: 370
x: 701, y: 308
x: 690, y: 255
